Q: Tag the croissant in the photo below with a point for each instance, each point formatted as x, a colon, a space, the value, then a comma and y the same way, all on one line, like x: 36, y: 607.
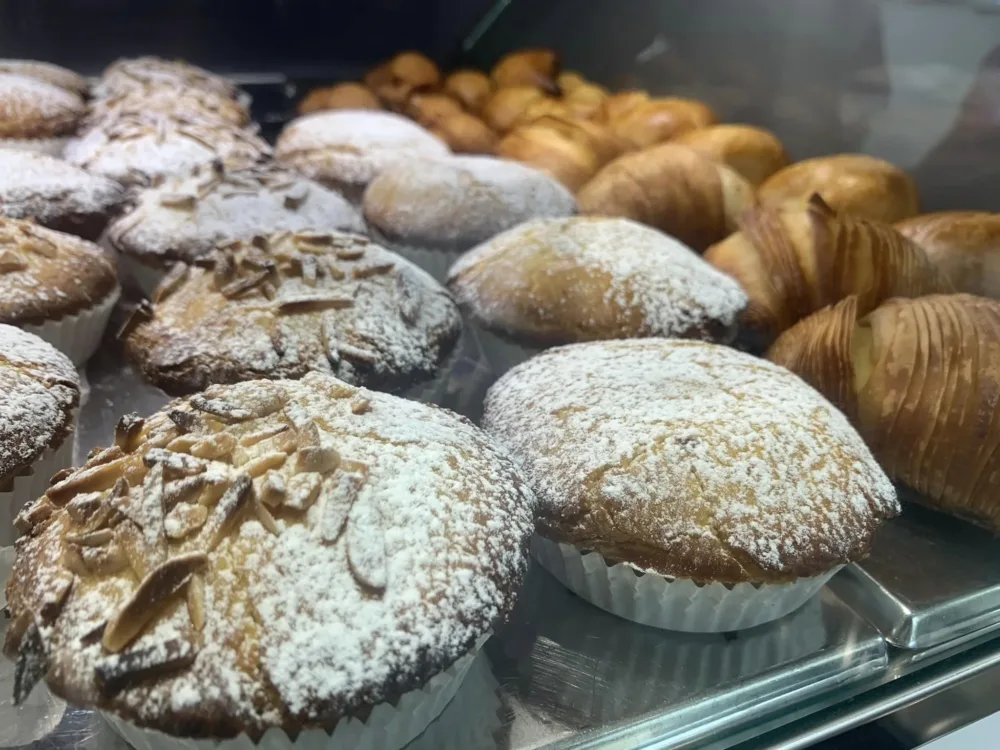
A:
x: 658, y: 120
x: 585, y: 100
x: 965, y: 245
x: 671, y: 188
x: 793, y: 261
x: 471, y: 87
x: 753, y: 152
x: 605, y: 144
x: 544, y: 107
x: 397, y: 79
x: 341, y: 96
x: 617, y: 105
x: 529, y: 67
x: 567, y: 160
x: 861, y: 185
x: 569, y: 80
x: 921, y: 378
x: 464, y: 133
x: 428, y: 109
x: 505, y: 107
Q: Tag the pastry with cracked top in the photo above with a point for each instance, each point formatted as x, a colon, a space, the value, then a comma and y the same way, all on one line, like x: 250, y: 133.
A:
x: 36, y: 115
x: 56, y: 194
x: 271, y: 555
x: 686, y: 485
x: 141, y: 73
x: 55, y: 75
x: 285, y: 304
x: 184, y: 218
x: 41, y: 393
x: 192, y: 103
x: 55, y: 285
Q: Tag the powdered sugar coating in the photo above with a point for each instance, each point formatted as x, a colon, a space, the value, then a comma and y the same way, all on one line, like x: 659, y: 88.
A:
x: 556, y: 281
x: 460, y: 201
x: 290, y: 637
x: 137, y: 73
x: 233, y: 204
x: 349, y: 148
x: 690, y: 459
x: 44, y: 71
x: 30, y: 108
x: 40, y: 389
x: 141, y: 148
x: 39, y: 186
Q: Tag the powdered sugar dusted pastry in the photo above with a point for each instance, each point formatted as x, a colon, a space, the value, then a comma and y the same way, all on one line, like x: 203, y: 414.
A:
x: 270, y: 554
x: 36, y: 115
x: 457, y: 202
x: 49, y: 73
x: 40, y: 393
x: 556, y: 281
x: 139, y: 149
x: 283, y: 305
x: 347, y: 149
x: 184, y: 218
x: 689, y: 460
x: 140, y: 73
x: 192, y: 103
x: 56, y: 194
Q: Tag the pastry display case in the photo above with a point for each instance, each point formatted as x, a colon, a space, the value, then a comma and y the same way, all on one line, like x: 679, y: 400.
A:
x: 796, y: 148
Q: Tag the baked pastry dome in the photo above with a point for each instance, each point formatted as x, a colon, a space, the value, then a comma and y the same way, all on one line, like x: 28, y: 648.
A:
x: 460, y: 201
x: 283, y: 305
x: 689, y: 460
x: 32, y: 109
x: 56, y: 194
x: 140, y: 73
x: 558, y: 281
x: 41, y: 392
x: 46, y: 275
x: 192, y: 103
x: 184, y: 218
x: 306, y: 549
x: 52, y: 74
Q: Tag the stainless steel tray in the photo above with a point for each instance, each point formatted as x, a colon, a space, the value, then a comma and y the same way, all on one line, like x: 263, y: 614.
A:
x: 930, y: 579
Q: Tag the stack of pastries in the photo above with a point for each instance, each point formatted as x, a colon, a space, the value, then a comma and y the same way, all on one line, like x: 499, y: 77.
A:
x: 295, y: 547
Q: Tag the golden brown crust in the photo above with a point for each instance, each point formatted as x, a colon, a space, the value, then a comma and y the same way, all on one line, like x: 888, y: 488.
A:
x: 585, y: 100
x: 471, y: 87
x: 465, y: 134
x: 502, y: 110
x: 396, y: 80
x: 792, y: 262
x: 753, y: 152
x: 529, y: 67
x: 44, y: 71
x: 658, y: 120
x: 193, y: 103
x: 340, y: 96
x: 47, y: 275
x: 431, y: 108
x: 672, y: 188
x: 965, y: 245
x: 569, y: 161
x: 31, y: 108
x: 594, y: 136
x: 862, y: 185
x: 618, y: 104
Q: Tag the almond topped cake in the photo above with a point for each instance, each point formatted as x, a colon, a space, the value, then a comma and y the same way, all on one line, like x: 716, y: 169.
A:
x: 267, y: 554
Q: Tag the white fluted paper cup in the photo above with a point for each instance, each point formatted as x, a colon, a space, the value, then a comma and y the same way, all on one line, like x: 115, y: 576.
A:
x: 388, y: 727
x: 679, y: 604
x: 145, y: 277
x: 78, y: 335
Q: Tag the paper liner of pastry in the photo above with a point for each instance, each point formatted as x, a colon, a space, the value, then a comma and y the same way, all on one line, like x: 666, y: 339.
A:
x: 78, y: 335
x: 677, y: 604
x: 144, y: 277
x: 31, y: 721
x: 389, y: 727
x: 51, y: 146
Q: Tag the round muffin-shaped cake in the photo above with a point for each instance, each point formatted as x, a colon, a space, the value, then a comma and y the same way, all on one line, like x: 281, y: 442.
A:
x: 348, y: 149
x: 56, y: 194
x: 36, y: 115
x: 55, y: 75
x: 689, y: 460
x: 281, y: 305
x: 270, y: 554
x: 559, y: 281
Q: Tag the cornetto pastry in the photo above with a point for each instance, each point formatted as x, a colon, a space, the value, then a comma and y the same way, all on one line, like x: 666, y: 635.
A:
x: 432, y: 209
x: 271, y: 555
x: 40, y: 394
x: 658, y: 120
x: 55, y: 75
x: 504, y: 109
x: 395, y: 80
x: 56, y: 194
x: 142, y: 73
x: 559, y: 281
x: 570, y: 160
x: 753, y: 152
x: 471, y: 87
x: 464, y: 133
x: 341, y: 96
x: 35, y: 115
x: 142, y: 148
x: 528, y: 67
x: 184, y: 218
x: 282, y: 305
x: 55, y: 285
x: 346, y: 150
x: 919, y: 378
x: 862, y: 185
x: 965, y: 245
x: 190, y: 103
x: 793, y: 261
x: 694, y: 463
x: 672, y: 188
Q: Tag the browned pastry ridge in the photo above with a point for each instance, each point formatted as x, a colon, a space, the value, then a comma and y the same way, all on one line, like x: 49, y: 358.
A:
x: 544, y: 148
x: 965, y: 245
x: 395, y: 80
x: 658, y: 120
x: 340, y: 96
x: 528, y: 67
x: 672, y: 188
x: 753, y: 152
x: 33, y: 109
x: 471, y: 87
x: 919, y: 378
x: 794, y: 261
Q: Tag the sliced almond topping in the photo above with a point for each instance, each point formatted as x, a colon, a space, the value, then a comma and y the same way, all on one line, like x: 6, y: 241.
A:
x: 238, y: 286
x: 324, y: 239
x: 374, y: 269
x: 222, y: 410
x: 103, y: 455
x: 82, y: 507
x: 267, y: 400
x: 120, y: 671
x: 308, y: 435
x: 176, y: 464
x: 11, y: 261
x: 182, y: 490
x: 196, y: 601
x: 302, y: 491
x: 127, y: 431
x: 40, y: 246
x: 265, y: 517
x: 338, y: 493
x: 61, y: 475
x: 214, y: 447
x: 335, y: 271
x: 366, y: 546
x: 53, y: 596
x: 271, y: 490
x: 184, y: 201
x: 153, y: 593
x: 350, y: 253
x: 356, y: 355
x: 182, y: 443
x: 361, y: 405
x: 94, y: 479
x: 184, y: 519
x: 33, y: 515
x: 128, y: 539
x: 315, y: 302
x: 185, y: 420
x: 296, y: 196
x: 310, y: 269
x: 91, y: 538
x: 252, y: 438
x: 257, y: 466
x: 216, y: 485
x: 86, y: 561
x: 320, y: 459
x: 227, y: 513
x: 223, y: 270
